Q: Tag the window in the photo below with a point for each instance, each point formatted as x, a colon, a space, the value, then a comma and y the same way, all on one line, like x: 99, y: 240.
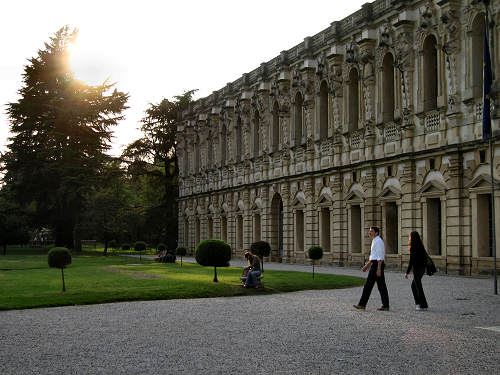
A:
x: 323, y: 111
x: 239, y: 232
x: 388, y: 88
x: 256, y: 228
x: 298, y: 119
x: 434, y: 227
x: 355, y: 227
x: 256, y: 120
x: 223, y: 145
x: 430, y: 74
x: 477, y: 55
x: 238, y: 139
x: 325, y: 228
x: 353, y: 100
x: 276, y: 127
x: 197, y: 155
x: 223, y: 228
x: 484, y: 226
x: 299, y: 230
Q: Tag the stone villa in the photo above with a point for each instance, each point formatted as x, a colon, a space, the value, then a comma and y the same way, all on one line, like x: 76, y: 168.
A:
x: 376, y: 120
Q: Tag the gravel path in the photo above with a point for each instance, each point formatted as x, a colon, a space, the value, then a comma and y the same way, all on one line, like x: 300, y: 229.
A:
x: 310, y: 332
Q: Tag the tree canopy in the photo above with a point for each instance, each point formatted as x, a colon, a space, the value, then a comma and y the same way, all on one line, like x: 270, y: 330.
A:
x: 152, y: 162
x: 61, y: 132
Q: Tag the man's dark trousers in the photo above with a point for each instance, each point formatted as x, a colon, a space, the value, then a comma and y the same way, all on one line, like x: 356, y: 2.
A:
x: 370, y: 282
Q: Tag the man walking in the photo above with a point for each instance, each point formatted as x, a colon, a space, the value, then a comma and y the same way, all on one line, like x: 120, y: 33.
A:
x: 376, y: 273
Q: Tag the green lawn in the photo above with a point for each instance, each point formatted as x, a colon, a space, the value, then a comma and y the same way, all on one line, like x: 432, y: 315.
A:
x: 27, y: 281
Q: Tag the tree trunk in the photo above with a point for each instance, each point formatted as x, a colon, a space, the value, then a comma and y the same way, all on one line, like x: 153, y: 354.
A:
x: 4, y: 249
x: 262, y: 263
x: 215, y: 275
x: 64, y: 286
x: 181, y: 261
x: 313, y: 269
x: 105, y: 248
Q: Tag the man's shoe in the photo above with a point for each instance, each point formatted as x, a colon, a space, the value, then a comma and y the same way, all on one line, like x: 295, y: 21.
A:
x: 383, y: 308
x: 359, y: 307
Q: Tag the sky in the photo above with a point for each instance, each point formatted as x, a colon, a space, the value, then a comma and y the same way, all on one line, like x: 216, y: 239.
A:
x: 155, y: 49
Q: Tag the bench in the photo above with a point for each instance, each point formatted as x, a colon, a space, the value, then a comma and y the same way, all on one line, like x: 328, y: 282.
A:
x: 243, y: 278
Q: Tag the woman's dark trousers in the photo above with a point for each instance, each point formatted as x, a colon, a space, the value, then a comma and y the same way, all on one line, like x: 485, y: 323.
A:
x: 417, y: 289
x: 370, y: 282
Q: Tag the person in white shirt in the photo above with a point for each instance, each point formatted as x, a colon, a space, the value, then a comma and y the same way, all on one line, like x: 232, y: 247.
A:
x: 376, y: 273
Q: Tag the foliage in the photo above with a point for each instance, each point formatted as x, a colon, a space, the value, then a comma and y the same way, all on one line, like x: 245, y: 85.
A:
x: 13, y: 222
x: 59, y: 257
x: 213, y: 253
x: 161, y: 247
x: 261, y: 249
x: 140, y: 246
x: 153, y: 158
x: 181, y: 251
x: 315, y: 253
x: 61, y: 132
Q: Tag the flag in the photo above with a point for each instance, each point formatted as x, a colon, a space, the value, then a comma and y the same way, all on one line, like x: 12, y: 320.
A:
x: 486, y: 84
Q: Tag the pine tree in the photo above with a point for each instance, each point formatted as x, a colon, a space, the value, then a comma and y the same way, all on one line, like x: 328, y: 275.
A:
x: 61, y: 132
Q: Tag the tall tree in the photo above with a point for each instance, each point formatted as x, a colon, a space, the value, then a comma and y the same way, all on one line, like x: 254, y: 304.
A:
x: 61, y: 132
x: 155, y: 155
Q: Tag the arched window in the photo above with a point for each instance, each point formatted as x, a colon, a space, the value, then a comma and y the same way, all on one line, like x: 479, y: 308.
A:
x: 430, y: 74
x: 223, y: 145
x: 298, y: 118
x: 238, y: 139
x: 323, y: 111
x: 388, y: 88
x: 186, y: 159
x: 477, y: 55
x: 210, y: 150
x: 256, y: 120
x: 197, y: 155
x: 276, y: 127
x: 353, y: 100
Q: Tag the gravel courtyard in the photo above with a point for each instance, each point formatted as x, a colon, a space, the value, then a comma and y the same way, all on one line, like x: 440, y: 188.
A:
x: 310, y: 332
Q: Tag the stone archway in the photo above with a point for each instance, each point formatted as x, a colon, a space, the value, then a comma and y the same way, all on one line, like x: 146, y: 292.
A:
x: 277, y: 228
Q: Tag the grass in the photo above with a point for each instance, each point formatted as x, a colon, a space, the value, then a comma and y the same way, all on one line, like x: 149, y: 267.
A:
x: 28, y: 282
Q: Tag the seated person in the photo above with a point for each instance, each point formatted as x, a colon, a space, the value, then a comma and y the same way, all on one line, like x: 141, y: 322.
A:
x: 253, y: 270
x: 161, y: 256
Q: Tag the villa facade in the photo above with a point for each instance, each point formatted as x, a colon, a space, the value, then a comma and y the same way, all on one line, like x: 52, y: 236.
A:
x: 376, y: 120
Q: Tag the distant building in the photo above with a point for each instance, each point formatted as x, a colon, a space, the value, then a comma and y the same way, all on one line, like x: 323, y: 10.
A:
x: 373, y: 121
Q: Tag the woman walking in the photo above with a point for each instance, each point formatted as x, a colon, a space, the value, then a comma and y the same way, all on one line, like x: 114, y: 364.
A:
x: 418, y: 259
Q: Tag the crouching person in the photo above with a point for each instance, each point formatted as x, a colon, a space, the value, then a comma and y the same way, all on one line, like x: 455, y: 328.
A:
x: 253, y: 270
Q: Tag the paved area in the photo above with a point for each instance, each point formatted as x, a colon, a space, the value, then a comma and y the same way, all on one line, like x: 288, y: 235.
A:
x: 310, y: 332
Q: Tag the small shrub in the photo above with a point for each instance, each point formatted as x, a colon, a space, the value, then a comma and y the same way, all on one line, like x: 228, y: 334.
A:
x: 125, y: 246
x: 59, y: 257
x: 213, y: 253
x: 181, y: 251
x: 315, y: 253
x: 261, y: 249
x: 140, y: 246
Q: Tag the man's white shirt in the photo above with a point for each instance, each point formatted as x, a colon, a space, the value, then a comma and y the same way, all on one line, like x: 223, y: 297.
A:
x: 377, y: 251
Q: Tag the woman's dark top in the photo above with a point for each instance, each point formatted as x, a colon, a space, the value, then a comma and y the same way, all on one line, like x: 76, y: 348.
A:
x: 418, y: 258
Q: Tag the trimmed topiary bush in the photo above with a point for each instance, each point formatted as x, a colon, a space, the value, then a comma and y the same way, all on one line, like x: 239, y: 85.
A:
x: 315, y: 253
x: 261, y: 249
x: 140, y: 246
x: 181, y: 251
x: 59, y: 257
x: 213, y: 253
x: 125, y: 246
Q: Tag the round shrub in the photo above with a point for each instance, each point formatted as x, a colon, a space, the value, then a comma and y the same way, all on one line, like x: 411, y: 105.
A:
x: 125, y: 246
x: 315, y: 252
x: 214, y: 253
x: 181, y: 251
x: 140, y: 246
x: 161, y: 247
x: 261, y: 248
x: 59, y: 257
